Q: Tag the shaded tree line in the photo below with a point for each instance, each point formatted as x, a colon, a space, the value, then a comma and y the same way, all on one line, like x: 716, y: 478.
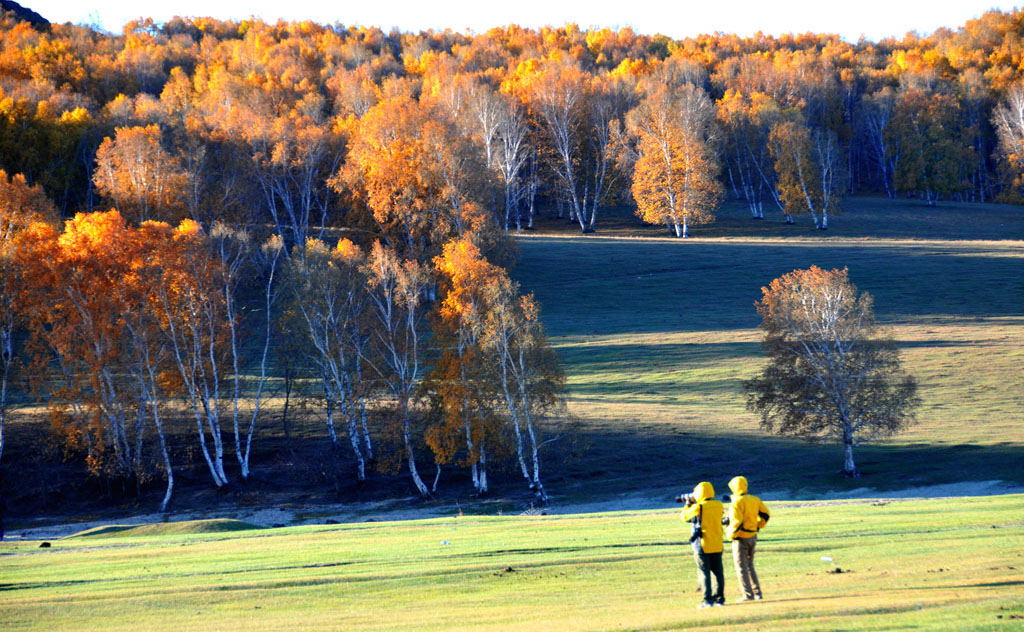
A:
x: 129, y: 325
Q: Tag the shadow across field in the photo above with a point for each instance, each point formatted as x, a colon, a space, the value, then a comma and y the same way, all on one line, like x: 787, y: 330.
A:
x: 636, y: 460
x: 601, y: 286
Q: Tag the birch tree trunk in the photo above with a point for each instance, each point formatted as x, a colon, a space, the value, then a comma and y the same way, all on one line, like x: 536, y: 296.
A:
x: 6, y: 358
x: 482, y: 462
x: 410, y: 455
x: 513, y: 413
x: 849, y: 467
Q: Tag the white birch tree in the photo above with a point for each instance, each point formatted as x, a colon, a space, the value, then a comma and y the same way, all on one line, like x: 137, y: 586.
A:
x: 831, y: 372
x: 396, y: 289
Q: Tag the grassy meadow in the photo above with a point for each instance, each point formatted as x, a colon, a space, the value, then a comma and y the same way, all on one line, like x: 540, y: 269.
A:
x: 656, y: 335
x: 923, y: 564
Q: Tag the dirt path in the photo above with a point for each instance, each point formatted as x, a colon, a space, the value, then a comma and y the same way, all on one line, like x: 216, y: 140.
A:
x: 410, y: 509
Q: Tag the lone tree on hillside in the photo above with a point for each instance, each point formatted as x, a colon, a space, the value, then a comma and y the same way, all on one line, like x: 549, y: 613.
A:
x: 831, y: 372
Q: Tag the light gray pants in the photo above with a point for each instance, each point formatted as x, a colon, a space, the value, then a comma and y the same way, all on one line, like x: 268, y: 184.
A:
x: 743, y: 558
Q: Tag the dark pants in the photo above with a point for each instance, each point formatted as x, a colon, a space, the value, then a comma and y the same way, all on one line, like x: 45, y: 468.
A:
x: 709, y: 564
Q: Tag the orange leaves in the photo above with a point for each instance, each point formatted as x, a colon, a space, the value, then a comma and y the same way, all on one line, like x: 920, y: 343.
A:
x: 797, y: 292
x: 22, y: 205
x: 466, y: 274
x: 414, y: 173
x: 100, y: 272
x: 674, y: 177
x: 97, y: 297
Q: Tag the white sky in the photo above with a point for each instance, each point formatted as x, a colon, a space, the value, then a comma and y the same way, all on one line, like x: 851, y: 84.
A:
x: 874, y: 19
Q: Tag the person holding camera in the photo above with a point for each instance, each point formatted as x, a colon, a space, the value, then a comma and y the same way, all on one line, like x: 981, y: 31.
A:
x: 747, y: 516
x: 705, y: 513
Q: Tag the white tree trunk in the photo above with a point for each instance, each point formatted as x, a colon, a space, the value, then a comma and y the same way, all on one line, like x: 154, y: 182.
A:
x: 217, y: 480
x: 353, y: 435
x: 437, y: 479
x: 483, y: 469
x: 524, y: 403
x: 3, y: 411
x: 470, y: 448
x: 166, y: 456
x: 514, y: 415
x: 411, y: 458
x: 849, y: 467
x: 329, y: 403
x: 366, y: 430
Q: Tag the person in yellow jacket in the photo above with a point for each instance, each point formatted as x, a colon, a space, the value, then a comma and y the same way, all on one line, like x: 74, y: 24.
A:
x: 747, y: 515
x: 705, y: 513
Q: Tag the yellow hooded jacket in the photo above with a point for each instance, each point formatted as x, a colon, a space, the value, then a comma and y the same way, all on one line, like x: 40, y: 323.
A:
x: 709, y: 512
x: 747, y: 514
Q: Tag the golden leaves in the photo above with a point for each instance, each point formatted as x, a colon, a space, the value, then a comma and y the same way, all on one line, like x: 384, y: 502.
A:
x: 139, y: 176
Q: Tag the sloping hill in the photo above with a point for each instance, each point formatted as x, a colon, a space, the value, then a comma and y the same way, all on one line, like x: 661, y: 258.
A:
x: 24, y: 13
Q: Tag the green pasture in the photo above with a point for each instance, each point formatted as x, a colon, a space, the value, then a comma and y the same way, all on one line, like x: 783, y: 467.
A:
x: 925, y: 564
x: 657, y: 334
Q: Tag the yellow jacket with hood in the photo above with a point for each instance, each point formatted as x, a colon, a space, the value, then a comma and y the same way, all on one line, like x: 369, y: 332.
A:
x: 709, y: 512
x: 747, y: 514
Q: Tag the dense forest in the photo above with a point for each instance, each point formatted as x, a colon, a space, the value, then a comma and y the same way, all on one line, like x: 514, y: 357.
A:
x: 252, y: 204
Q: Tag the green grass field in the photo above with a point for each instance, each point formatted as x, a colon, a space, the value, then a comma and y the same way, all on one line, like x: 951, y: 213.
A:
x: 657, y: 334
x: 925, y: 564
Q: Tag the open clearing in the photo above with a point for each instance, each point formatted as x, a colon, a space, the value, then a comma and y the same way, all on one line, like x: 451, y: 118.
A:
x: 657, y: 334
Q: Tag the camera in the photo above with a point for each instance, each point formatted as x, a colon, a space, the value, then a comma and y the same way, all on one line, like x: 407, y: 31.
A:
x: 685, y: 498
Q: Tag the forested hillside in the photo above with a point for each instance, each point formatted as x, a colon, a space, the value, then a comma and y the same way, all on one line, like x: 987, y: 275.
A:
x: 200, y: 218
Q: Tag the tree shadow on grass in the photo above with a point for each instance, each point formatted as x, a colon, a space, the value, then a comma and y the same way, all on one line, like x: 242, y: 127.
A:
x: 622, y: 462
x: 654, y: 286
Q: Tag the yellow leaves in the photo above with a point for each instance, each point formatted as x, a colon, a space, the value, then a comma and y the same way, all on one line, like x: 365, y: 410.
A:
x: 518, y: 80
x: 631, y: 68
x: 422, y: 64
x: 348, y: 251
x: 77, y: 116
x: 188, y: 228
x: 87, y: 233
